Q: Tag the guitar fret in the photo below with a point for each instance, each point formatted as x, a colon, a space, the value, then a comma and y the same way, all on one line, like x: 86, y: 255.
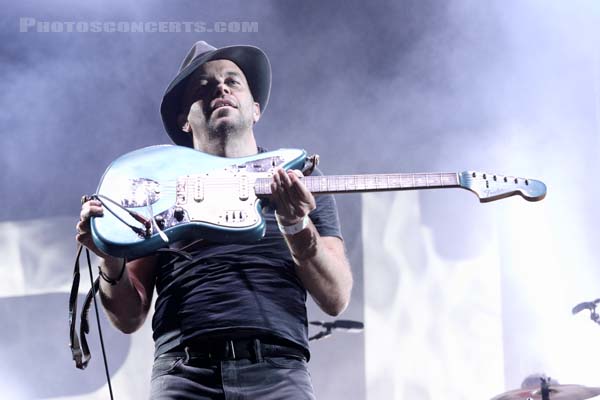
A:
x: 434, y: 180
x: 351, y: 182
x: 404, y: 181
x: 359, y: 182
x: 394, y: 181
x: 420, y: 180
x: 449, y: 179
x: 331, y: 183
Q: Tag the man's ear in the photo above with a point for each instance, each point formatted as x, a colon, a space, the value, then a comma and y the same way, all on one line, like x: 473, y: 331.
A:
x: 183, y: 123
x: 256, y: 113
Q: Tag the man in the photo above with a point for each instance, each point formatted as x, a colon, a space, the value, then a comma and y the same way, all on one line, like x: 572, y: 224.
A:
x: 230, y: 319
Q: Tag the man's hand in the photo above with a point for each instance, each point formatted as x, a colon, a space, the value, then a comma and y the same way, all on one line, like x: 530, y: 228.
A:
x: 292, y: 200
x: 91, y: 208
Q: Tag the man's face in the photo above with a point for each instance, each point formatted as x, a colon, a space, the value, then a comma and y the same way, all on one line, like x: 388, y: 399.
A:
x: 217, y: 100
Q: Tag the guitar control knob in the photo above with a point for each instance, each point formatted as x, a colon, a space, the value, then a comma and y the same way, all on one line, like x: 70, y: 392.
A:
x: 178, y: 213
x: 160, y: 221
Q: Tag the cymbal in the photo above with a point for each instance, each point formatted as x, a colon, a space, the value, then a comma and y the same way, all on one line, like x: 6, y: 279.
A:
x: 557, y: 392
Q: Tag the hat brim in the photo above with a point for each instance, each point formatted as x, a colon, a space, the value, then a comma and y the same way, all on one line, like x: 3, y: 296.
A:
x: 251, y: 60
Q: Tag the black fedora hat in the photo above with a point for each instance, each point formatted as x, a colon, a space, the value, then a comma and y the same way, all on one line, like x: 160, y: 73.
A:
x: 251, y: 60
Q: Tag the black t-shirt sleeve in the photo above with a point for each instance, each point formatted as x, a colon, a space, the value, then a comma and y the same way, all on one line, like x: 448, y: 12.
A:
x: 325, y: 216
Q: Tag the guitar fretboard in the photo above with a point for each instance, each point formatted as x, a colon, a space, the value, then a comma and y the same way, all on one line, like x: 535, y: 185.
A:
x: 368, y: 183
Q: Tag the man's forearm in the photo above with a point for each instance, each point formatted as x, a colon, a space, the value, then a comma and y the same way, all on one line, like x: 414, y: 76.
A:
x: 323, y: 268
x: 122, y: 301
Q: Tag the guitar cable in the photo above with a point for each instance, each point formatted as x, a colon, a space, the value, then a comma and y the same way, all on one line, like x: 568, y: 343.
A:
x: 148, y: 223
x: 137, y: 216
x: 87, y: 254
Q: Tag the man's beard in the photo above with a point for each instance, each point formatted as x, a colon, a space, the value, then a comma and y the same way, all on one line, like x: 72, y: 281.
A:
x: 226, y: 129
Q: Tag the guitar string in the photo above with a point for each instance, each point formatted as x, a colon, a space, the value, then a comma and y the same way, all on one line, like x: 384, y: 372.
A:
x: 333, y: 180
x: 315, y: 185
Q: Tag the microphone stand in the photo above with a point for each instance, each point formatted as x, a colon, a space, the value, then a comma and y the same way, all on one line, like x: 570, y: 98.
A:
x: 321, y: 335
x: 589, y: 305
x: 338, y: 325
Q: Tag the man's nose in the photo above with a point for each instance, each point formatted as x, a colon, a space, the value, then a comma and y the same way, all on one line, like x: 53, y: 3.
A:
x: 221, y: 89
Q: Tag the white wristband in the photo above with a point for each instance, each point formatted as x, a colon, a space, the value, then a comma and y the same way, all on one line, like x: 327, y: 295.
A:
x: 293, y: 229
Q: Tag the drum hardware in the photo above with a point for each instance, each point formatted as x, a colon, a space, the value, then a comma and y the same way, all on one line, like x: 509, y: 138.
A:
x: 550, y: 390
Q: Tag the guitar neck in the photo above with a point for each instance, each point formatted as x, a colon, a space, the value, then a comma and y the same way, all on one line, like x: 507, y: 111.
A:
x: 368, y: 183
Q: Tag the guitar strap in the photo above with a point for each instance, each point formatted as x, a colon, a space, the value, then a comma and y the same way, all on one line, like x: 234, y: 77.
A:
x: 78, y: 343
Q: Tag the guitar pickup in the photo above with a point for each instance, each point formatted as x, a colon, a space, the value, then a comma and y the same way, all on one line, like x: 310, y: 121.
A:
x: 244, y: 189
x: 199, y: 189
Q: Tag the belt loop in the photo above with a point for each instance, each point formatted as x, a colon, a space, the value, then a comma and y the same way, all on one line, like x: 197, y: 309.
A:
x: 187, y: 355
x: 231, y: 349
x: 257, y: 351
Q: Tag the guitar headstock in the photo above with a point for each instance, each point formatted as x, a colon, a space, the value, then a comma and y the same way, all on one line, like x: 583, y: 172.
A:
x: 490, y: 187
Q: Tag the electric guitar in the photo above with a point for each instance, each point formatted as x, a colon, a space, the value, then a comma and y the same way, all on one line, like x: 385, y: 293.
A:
x: 161, y: 194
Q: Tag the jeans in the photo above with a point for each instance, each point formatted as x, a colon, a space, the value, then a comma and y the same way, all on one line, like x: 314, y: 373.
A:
x: 271, y: 378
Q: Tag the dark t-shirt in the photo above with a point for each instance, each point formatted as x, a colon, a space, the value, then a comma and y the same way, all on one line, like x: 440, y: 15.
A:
x: 235, y: 290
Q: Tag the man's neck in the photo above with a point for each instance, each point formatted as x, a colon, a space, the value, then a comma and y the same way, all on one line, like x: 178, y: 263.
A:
x: 240, y: 146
